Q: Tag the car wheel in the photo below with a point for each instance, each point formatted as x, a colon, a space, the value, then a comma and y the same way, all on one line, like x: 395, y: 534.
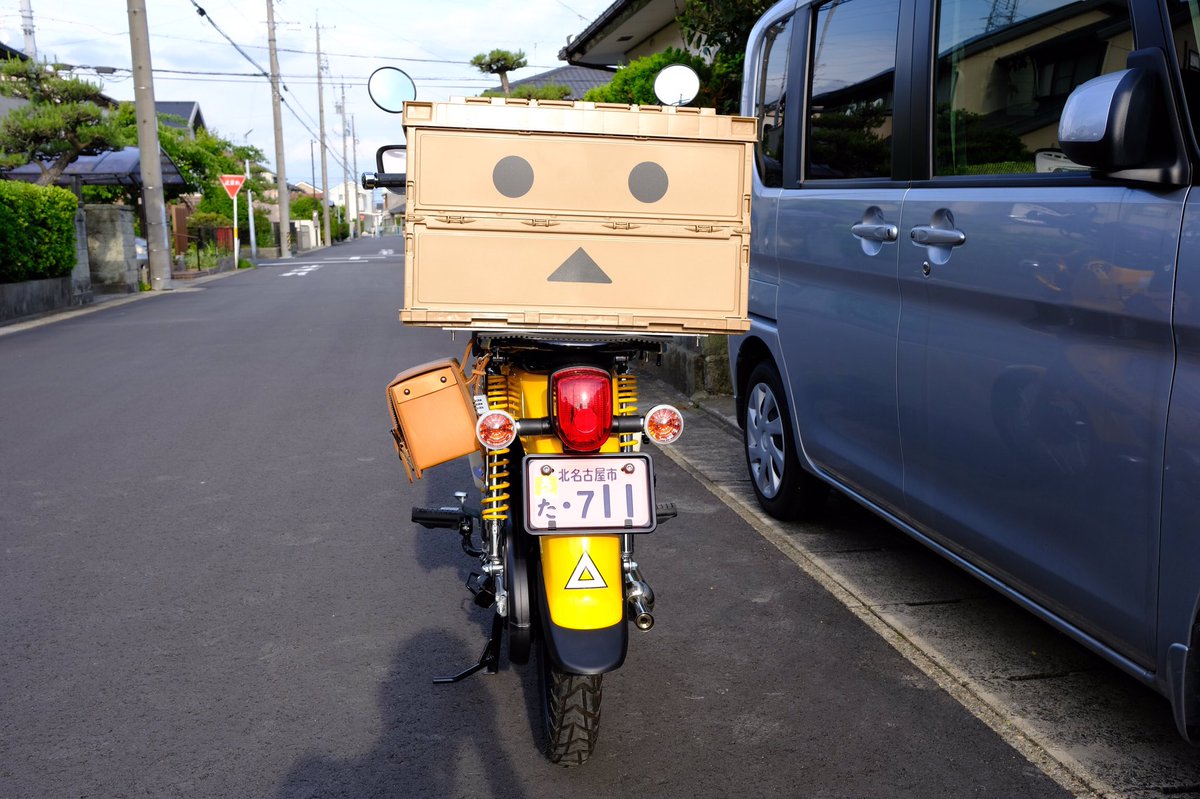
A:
x: 784, y: 489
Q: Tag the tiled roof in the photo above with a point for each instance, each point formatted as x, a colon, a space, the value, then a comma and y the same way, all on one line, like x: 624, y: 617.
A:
x: 579, y: 79
x: 188, y: 110
x: 7, y: 52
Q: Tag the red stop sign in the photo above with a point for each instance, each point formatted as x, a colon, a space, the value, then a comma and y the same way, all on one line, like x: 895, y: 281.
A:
x: 232, y: 184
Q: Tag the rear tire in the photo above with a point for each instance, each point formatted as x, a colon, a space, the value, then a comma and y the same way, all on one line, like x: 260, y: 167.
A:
x: 784, y: 489
x: 570, y: 713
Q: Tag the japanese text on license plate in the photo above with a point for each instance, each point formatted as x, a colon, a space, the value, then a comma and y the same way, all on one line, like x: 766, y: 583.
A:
x: 612, y: 493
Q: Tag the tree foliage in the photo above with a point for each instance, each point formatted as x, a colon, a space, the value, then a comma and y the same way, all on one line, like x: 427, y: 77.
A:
x: 61, y: 121
x: 720, y: 30
x: 304, y: 207
x: 634, y: 82
x: 500, y: 62
x: 527, y: 91
x: 201, y: 159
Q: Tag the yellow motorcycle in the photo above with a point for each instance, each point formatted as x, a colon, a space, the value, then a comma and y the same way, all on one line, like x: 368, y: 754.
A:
x: 566, y: 491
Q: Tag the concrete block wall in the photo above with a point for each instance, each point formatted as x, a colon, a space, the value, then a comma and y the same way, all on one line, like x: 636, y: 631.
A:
x: 110, y: 248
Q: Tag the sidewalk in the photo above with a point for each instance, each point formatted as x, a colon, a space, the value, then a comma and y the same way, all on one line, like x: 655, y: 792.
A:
x: 101, y: 301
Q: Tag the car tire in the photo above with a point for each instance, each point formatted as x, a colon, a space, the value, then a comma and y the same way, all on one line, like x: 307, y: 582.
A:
x: 784, y: 489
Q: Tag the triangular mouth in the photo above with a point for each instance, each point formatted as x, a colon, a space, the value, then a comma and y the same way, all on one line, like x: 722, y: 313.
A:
x: 579, y: 268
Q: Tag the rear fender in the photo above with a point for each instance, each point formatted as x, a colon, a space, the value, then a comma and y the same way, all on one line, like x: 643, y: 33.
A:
x: 583, y: 601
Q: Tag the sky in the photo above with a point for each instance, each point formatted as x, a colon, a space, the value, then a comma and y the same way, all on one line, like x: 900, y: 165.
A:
x: 432, y: 40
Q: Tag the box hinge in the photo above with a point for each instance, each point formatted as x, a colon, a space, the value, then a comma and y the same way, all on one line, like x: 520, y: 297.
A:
x: 539, y: 222
x: 454, y: 220
x: 702, y: 228
x: 620, y: 225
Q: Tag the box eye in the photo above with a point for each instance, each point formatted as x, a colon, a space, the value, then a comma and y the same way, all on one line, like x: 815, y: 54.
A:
x: 512, y: 176
x: 648, y: 182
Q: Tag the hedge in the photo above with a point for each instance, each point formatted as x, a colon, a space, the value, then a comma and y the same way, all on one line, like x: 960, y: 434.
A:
x: 37, y: 231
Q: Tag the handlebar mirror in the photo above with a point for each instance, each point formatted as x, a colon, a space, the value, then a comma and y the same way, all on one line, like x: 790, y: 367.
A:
x: 390, y: 88
x: 677, y: 84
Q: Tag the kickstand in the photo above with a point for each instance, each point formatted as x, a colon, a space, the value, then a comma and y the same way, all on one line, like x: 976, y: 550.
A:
x: 489, y: 661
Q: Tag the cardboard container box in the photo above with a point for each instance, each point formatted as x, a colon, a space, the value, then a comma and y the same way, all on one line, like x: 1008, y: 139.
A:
x: 555, y: 215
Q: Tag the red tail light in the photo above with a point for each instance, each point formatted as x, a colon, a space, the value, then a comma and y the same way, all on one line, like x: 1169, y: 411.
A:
x: 581, y: 402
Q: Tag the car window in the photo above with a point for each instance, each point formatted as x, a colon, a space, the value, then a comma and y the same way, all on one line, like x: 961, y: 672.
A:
x: 1185, y: 24
x: 1004, y: 71
x: 769, y: 107
x: 853, y: 70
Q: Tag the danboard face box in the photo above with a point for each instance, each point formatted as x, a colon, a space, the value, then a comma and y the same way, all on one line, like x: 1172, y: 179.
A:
x: 576, y: 216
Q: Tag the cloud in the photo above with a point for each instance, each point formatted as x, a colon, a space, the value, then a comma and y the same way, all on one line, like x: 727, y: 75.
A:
x: 439, y: 39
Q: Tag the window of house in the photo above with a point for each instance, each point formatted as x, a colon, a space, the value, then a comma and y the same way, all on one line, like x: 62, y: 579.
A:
x: 1004, y: 77
x: 772, y: 94
x: 851, y: 96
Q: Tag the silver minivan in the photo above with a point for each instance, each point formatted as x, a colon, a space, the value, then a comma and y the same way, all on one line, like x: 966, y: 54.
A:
x: 975, y: 298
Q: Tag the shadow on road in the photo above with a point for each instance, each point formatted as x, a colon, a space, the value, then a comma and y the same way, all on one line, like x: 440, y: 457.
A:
x: 423, y: 749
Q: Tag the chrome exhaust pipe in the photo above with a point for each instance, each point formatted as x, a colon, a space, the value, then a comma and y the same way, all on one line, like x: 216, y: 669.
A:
x: 642, y: 619
x: 640, y: 597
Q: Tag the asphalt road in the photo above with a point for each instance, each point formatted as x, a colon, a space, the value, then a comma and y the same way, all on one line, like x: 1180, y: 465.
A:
x: 210, y: 588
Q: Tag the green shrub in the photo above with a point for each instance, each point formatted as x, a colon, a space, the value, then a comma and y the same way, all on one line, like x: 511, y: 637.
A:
x: 37, y: 231
x: 634, y: 82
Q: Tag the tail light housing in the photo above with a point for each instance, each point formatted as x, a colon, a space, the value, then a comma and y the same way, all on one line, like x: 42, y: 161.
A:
x: 581, y: 407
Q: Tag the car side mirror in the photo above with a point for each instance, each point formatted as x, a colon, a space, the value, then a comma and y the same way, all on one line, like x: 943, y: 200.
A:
x: 1124, y: 125
x: 1104, y: 124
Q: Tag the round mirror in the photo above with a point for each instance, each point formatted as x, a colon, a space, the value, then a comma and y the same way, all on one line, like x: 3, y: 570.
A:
x: 390, y: 88
x: 677, y: 84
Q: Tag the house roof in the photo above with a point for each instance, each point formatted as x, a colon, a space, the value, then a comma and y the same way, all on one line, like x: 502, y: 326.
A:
x: 620, y: 28
x: 115, y: 168
x: 7, y: 52
x: 187, y: 110
x: 578, y: 78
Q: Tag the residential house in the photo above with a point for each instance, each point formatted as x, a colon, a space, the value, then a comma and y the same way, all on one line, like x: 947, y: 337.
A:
x: 626, y: 30
x: 182, y: 115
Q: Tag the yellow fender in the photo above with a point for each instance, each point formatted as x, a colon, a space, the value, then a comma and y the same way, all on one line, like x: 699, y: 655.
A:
x: 583, y: 580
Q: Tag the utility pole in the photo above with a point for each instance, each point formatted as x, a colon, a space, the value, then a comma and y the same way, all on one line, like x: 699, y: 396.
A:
x: 341, y: 109
x: 324, y: 164
x: 285, y: 212
x: 354, y: 174
x: 147, y: 133
x: 27, y: 29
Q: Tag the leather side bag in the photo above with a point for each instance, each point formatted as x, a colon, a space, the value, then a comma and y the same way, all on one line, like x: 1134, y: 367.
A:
x: 433, y: 415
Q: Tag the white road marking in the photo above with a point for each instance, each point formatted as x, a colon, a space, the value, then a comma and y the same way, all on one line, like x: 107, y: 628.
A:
x: 301, y: 271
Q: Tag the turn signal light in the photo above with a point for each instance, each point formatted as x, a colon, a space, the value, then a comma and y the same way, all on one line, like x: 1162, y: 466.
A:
x: 582, y: 406
x: 664, y: 424
x: 496, y: 429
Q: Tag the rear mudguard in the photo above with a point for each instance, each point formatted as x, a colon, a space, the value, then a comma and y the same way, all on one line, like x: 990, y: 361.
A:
x: 583, y: 602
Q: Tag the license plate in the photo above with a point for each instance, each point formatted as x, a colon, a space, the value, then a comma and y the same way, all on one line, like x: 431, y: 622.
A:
x: 601, y: 493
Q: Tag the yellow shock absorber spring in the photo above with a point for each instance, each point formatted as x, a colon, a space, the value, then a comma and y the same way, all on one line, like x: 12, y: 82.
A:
x: 627, y: 404
x: 495, y: 497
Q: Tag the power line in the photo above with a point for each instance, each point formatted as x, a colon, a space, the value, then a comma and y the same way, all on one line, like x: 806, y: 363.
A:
x: 283, y: 100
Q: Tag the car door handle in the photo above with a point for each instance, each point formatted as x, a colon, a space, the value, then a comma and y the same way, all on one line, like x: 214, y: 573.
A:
x: 875, y: 232
x: 929, y: 236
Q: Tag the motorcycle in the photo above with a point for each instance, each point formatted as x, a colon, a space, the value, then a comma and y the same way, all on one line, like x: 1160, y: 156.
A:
x: 551, y: 423
x: 565, y: 492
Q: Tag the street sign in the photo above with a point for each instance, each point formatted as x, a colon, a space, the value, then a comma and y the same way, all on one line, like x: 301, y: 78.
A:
x: 232, y: 184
